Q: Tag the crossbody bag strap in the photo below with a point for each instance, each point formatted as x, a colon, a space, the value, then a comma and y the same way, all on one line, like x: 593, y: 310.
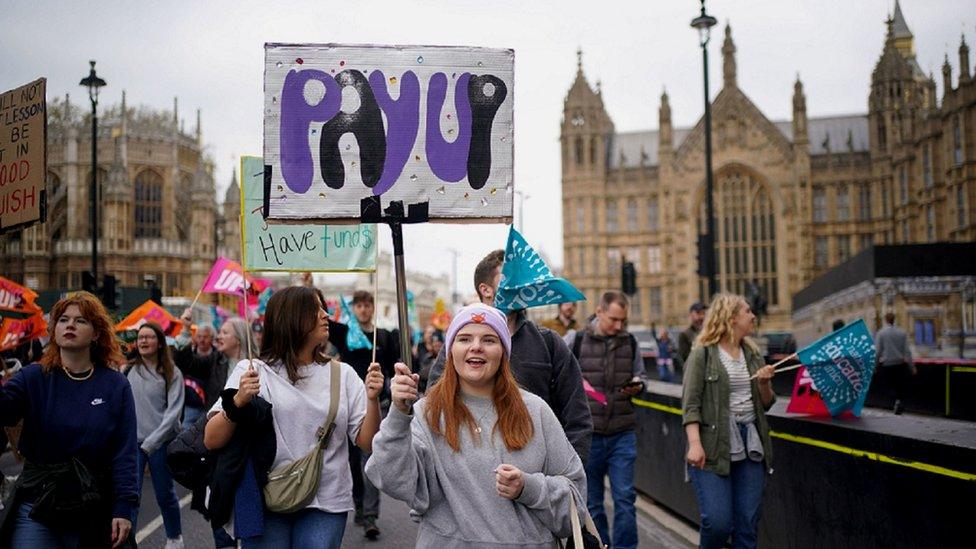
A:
x: 325, y: 431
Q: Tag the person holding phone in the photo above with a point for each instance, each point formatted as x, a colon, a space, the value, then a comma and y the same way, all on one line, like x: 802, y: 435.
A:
x: 612, y: 365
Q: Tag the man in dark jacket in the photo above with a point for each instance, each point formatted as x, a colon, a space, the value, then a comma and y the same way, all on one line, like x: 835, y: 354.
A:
x: 541, y: 362
x: 364, y: 494
x: 611, y: 363
x: 696, y: 316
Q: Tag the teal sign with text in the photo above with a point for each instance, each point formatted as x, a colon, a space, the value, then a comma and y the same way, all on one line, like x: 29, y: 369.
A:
x: 298, y: 248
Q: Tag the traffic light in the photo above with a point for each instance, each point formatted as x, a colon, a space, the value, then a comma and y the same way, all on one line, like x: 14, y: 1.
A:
x: 88, y: 282
x: 705, y: 258
x: 628, y: 277
x: 110, y: 296
x: 156, y: 294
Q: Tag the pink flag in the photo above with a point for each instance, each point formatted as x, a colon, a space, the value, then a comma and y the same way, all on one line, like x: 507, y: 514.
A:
x: 226, y: 277
x: 593, y: 393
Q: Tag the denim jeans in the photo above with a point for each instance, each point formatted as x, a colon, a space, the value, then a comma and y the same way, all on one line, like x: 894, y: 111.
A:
x: 613, y: 455
x: 730, y: 504
x: 190, y: 415
x: 306, y: 529
x: 169, y: 504
x: 364, y: 494
x: 30, y: 534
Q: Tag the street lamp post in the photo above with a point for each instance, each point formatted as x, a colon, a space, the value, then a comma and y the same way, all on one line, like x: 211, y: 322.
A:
x: 94, y: 83
x: 704, y: 23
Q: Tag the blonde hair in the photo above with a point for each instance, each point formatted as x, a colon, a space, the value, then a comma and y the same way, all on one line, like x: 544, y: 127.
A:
x: 718, y: 321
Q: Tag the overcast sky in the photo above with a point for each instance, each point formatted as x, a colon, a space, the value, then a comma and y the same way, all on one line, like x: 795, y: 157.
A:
x: 210, y: 54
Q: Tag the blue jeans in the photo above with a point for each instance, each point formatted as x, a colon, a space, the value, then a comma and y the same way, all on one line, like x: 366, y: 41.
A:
x: 613, y: 455
x: 306, y: 529
x: 190, y: 415
x: 730, y: 505
x: 169, y: 505
x: 28, y: 533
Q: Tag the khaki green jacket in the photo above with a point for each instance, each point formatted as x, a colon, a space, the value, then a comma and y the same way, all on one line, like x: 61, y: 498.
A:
x: 705, y: 401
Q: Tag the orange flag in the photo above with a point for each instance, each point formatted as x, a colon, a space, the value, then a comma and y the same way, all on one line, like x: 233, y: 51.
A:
x: 150, y: 311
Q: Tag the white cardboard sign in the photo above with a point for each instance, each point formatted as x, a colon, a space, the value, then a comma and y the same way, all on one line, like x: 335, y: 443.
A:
x: 415, y: 124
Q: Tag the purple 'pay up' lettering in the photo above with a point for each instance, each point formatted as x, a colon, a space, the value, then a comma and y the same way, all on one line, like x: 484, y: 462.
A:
x: 403, y: 122
x: 296, y: 115
x: 448, y: 161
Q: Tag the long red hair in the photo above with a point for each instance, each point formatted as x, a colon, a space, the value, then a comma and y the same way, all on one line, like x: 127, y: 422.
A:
x: 105, y: 349
x: 444, y: 401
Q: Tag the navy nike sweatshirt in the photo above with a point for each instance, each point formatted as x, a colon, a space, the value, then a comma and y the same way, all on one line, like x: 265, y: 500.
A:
x: 93, y: 420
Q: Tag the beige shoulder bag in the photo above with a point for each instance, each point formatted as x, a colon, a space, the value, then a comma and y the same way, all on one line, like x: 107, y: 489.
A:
x: 292, y: 486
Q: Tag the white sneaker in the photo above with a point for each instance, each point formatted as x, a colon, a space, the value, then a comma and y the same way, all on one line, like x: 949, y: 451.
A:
x: 176, y: 543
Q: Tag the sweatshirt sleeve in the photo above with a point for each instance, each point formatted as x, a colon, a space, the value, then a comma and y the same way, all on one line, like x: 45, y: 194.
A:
x: 568, y: 399
x: 401, y: 465
x: 14, y: 399
x: 124, y: 446
x: 548, y: 494
x: 170, y: 423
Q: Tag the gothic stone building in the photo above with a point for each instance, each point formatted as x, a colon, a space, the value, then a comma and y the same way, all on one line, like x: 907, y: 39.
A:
x: 792, y: 198
x: 158, y: 217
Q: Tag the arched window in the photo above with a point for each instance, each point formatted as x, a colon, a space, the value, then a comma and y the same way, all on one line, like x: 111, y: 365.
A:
x: 149, y: 205
x: 183, y: 214
x: 57, y: 204
x: 745, y: 240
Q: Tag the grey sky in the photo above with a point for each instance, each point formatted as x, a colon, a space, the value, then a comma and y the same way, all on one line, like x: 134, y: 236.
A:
x: 210, y: 55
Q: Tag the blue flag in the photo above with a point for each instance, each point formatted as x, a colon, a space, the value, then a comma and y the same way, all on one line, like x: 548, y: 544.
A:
x: 841, y: 365
x: 355, y: 338
x: 527, y: 281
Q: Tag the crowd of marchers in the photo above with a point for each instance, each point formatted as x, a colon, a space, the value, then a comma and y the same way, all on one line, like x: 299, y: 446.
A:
x: 501, y: 434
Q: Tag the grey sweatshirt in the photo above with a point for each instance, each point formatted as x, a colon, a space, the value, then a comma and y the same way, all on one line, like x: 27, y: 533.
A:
x: 892, y: 345
x: 157, y: 414
x: 455, y: 494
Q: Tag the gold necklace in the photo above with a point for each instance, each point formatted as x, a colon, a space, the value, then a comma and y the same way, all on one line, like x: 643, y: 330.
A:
x: 477, y: 428
x: 81, y: 377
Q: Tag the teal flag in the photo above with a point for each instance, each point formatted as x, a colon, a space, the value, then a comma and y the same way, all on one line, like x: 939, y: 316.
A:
x: 355, y: 337
x: 286, y: 247
x: 527, y: 281
x: 842, y: 365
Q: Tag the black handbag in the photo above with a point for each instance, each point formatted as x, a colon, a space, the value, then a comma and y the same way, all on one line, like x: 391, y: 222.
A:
x: 585, y: 535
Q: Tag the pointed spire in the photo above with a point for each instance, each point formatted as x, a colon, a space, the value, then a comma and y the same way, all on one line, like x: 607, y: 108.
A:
x: 899, y: 33
x: 664, y: 123
x: 176, y: 110
x: 946, y: 76
x: 800, y: 136
x: 125, y: 114
x: 963, y: 59
x: 233, y: 194
x: 579, y: 60
x: 67, y: 106
x: 728, y: 58
x: 199, y: 134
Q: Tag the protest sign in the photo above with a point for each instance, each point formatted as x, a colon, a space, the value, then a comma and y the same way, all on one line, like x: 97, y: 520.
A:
x: 527, y: 281
x: 296, y: 248
x: 15, y: 296
x: 412, y: 124
x: 13, y: 331
x: 23, y: 155
x: 841, y: 365
x: 226, y: 277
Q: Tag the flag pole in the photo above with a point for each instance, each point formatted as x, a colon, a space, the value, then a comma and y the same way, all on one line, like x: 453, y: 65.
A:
x: 788, y: 368
x: 197, y: 298
x: 376, y: 294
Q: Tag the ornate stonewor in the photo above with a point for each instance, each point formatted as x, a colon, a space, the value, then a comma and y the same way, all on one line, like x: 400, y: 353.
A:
x: 794, y: 198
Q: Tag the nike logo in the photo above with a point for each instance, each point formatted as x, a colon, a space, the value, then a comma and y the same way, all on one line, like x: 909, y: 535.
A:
x: 97, y: 401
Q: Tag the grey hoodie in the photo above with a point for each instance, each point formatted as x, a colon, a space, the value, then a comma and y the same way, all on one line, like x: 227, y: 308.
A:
x: 455, y: 494
x: 157, y: 414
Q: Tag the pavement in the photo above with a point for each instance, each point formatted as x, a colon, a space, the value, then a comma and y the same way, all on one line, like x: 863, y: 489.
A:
x: 657, y: 528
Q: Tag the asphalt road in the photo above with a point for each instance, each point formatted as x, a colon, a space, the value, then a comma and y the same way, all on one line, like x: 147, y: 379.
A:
x: 396, y: 528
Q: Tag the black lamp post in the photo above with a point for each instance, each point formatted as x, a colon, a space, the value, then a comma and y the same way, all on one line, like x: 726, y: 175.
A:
x: 94, y: 83
x: 704, y: 24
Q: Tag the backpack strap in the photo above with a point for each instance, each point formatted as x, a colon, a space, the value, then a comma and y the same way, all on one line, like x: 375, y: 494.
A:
x: 577, y: 343
x: 325, y: 431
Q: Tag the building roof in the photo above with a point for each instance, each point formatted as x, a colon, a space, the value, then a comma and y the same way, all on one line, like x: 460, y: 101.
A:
x: 832, y: 131
x: 899, y: 27
x: 906, y: 260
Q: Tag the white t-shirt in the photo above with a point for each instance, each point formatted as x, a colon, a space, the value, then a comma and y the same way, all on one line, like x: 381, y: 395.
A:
x: 298, y: 410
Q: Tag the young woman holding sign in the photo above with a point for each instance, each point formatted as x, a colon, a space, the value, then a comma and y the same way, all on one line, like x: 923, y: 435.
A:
x: 724, y: 412
x: 483, y: 462
x: 292, y: 376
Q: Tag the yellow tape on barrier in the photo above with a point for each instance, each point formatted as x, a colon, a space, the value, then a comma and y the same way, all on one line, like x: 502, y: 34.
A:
x: 927, y: 467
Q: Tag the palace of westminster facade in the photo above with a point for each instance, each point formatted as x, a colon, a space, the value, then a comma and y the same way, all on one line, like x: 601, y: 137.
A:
x: 792, y: 198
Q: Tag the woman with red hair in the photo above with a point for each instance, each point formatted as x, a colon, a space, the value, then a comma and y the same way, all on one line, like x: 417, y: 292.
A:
x: 79, y: 437
x: 478, y: 447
